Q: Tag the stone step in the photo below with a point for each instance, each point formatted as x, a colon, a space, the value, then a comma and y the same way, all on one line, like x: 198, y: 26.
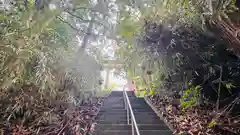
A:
x: 144, y: 114
x: 121, y: 110
x: 101, y: 127
x: 138, y: 102
x: 120, y: 93
x: 122, y: 103
x: 134, y: 105
x: 112, y: 119
x: 112, y: 101
x: 124, y: 121
x: 129, y: 132
x: 124, y: 116
x: 137, y: 108
x: 124, y: 112
x: 121, y: 98
x: 122, y: 107
x: 142, y: 109
x: 119, y: 101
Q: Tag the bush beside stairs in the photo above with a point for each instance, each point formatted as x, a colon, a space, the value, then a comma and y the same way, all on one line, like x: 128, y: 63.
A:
x: 112, y: 118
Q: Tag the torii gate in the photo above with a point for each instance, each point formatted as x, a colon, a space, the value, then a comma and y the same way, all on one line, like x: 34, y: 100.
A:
x: 111, y: 64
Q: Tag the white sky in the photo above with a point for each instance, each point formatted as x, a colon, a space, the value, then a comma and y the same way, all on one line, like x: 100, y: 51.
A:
x: 114, y: 80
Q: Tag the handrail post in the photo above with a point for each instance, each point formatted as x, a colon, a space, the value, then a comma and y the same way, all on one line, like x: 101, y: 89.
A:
x: 128, y: 116
x: 130, y: 113
x: 124, y: 100
x: 132, y: 126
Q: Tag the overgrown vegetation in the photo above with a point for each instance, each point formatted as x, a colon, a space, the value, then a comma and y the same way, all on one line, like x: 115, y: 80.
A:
x: 178, y: 46
x: 184, y: 54
x: 46, y: 77
x: 190, y: 97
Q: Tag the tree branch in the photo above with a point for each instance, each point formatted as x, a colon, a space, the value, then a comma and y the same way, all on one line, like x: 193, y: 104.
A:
x: 89, y: 31
x: 77, y: 16
x: 70, y: 25
x: 84, y: 20
x: 87, y: 8
x: 219, y: 87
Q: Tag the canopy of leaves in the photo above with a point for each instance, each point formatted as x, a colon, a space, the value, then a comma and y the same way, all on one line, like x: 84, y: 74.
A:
x: 42, y: 64
x: 179, y: 45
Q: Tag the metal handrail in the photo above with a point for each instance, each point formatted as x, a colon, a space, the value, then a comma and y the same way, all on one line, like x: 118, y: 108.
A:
x: 128, y: 107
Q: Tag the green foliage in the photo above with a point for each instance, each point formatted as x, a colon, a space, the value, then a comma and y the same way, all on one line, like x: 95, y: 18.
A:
x: 111, y: 87
x: 128, y: 28
x: 190, y: 97
x: 229, y: 86
x: 212, y: 123
x: 40, y: 50
x: 171, y: 67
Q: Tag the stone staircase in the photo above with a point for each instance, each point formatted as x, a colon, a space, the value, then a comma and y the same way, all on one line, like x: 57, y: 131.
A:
x: 112, y: 118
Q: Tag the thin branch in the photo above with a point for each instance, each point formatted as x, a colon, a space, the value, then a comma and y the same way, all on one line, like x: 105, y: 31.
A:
x: 87, y: 8
x: 84, y: 20
x: 77, y: 16
x: 89, y: 31
x: 70, y: 25
x: 92, y: 34
x: 226, y: 108
x: 219, y: 88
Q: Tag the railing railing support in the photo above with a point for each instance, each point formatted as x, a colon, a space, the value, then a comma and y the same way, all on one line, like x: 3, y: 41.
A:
x: 128, y: 116
x: 132, y: 127
x: 130, y: 113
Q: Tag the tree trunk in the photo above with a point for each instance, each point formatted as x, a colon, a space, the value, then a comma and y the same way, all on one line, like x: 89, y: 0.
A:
x: 107, y: 78
x: 88, y: 33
